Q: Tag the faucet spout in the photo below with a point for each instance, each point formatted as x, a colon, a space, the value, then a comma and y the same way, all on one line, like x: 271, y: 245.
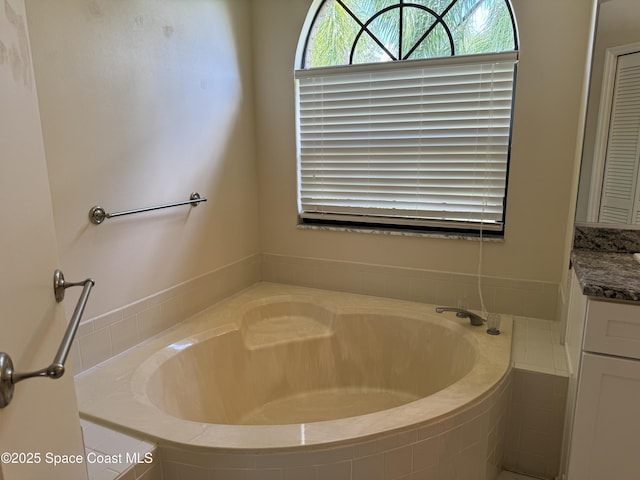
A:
x: 475, y: 319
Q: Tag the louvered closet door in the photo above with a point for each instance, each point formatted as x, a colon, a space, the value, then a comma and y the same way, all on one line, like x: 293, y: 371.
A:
x: 620, y: 200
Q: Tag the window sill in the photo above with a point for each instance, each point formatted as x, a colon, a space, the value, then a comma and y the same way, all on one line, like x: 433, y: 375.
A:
x: 400, y: 233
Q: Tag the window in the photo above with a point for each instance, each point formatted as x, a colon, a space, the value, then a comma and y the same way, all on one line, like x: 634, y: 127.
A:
x: 404, y: 114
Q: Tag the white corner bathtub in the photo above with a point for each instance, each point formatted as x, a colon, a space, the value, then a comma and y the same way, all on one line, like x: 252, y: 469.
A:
x: 289, y: 382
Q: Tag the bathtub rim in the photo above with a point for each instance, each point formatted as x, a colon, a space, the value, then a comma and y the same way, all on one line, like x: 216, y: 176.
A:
x: 117, y: 407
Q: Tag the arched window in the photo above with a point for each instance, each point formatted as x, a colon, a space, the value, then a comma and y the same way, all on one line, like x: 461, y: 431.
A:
x: 404, y: 113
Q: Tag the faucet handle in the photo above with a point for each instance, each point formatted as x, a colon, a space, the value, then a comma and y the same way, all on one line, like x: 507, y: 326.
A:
x: 493, y: 322
x: 476, y: 320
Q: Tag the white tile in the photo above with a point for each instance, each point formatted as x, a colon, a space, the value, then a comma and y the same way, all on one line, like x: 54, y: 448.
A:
x: 336, y: 471
x: 124, y: 334
x: 560, y: 360
x: 192, y: 473
x: 95, y: 347
x: 74, y: 358
x: 100, y: 440
x: 536, y: 324
x: 397, y: 463
x: 504, y: 475
x: 451, y: 443
x: 368, y: 468
x: 128, y: 474
x: 429, y: 473
x: 536, y: 346
x: 172, y: 311
x: 536, y: 442
x: 150, y: 322
x: 425, y: 453
x: 107, y: 319
x: 532, y: 367
x: 141, y: 468
x: 90, y: 432
x: 540, y: 354
x: 85, y: 328
x: 470, y: 458
x: 100, y: 471
x: 297, y: 473
x: 475, y: 431
x: 273, y: 474
x: 154, y: 473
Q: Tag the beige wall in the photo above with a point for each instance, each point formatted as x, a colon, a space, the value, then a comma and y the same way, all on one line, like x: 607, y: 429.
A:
x: 554, y: 44
x: 143, y: 102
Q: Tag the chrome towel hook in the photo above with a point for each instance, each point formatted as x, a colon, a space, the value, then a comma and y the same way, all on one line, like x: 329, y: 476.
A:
x: 9, y: 377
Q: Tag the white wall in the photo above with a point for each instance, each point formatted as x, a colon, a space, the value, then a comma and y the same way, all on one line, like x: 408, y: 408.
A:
x: 554, y: 44
x: 143, y: 102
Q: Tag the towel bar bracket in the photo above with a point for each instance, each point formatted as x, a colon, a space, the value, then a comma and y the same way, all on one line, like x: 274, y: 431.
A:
x: 9, y: 377
x: 97, y: 215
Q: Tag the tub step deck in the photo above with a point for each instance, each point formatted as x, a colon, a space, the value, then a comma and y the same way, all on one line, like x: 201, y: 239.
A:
x: 326, y: 404
x: 284, y: 329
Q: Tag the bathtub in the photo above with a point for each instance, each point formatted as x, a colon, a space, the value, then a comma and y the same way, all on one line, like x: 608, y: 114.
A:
x: 289, y: 382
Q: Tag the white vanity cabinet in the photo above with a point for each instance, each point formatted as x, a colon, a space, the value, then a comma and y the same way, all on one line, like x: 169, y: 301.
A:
x: 605, y: 434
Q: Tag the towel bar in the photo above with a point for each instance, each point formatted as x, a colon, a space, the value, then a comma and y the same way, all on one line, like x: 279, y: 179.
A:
x: 9, y: 377
x: 97, y: 214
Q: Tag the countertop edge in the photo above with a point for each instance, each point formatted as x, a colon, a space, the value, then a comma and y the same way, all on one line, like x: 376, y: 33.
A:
x: 607, y: 275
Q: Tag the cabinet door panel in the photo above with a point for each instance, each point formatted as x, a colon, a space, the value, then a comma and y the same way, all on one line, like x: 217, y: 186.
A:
x: 613, y: 328
x: 607, y: 424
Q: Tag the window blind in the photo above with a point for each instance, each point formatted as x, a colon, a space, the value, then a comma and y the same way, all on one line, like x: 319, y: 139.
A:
x: 421, y: 143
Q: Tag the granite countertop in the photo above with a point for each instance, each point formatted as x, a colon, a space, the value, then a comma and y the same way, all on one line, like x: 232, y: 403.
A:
x: 606, y: 274
x: 603, y: 261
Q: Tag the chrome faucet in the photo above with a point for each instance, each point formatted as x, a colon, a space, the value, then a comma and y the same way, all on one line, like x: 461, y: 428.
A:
x: 476, y: 320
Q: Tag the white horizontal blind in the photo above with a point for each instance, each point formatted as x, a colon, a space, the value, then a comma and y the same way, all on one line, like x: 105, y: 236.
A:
x: 406, y: 143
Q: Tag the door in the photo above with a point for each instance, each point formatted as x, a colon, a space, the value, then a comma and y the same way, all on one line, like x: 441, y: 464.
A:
x: 42, y: 420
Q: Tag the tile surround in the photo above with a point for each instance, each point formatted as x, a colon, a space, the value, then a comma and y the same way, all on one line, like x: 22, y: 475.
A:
x: 540, y: 385
x: 448, y: 449
x: 107, y: 335
x: 517, y: 297
x: 535, y: 391
x: 536, y: 348
x: 536, y: 422
x: 454, y: 446
x: 118, y: 391
x: 110, y: 334
x: 505, y: 475
x: 101, y: 441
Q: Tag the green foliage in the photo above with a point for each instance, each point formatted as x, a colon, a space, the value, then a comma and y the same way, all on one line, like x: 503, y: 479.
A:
x: 368, y: 31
